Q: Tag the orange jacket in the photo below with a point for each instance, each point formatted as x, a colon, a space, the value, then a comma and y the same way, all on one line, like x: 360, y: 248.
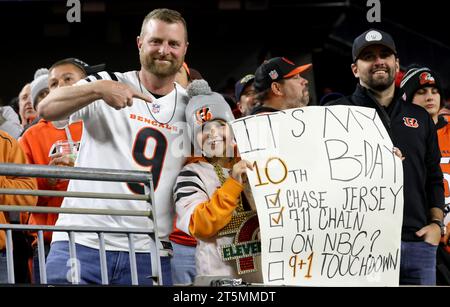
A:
x: 443, y: 133
x: 10, y: 152
x: 179, y: 236
x: 37, y: 142
x: 211, y: 216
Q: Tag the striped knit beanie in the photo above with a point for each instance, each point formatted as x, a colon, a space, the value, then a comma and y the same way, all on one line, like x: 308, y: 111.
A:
x: 417, y: 78
x: 204, y: 105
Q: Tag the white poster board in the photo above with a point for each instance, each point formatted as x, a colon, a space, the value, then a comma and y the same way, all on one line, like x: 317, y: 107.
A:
x: 329, y: 196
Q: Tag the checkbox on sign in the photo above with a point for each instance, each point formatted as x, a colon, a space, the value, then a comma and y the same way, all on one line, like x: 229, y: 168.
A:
x: 276, y: 270
x: 273, y: 200
x: 276, y: 245
x: 276, y: 218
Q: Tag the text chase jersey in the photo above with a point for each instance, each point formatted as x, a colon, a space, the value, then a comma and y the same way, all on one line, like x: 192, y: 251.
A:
x: 145, y: 136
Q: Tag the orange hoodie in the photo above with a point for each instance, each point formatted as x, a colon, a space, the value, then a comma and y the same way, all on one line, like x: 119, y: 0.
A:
x: 37, y: 143
x: 10, y: 152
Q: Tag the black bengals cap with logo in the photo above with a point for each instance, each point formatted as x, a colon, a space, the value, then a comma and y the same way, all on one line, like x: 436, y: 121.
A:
x: 372, y: 37
x: 276, y: 69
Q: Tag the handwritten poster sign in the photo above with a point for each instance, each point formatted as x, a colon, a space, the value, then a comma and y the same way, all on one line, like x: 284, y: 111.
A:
x: 329, y: 196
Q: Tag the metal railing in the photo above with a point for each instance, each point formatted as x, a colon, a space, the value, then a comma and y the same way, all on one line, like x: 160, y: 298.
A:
x: 77, y: 173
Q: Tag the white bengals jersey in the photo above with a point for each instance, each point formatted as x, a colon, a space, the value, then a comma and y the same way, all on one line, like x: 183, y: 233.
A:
x: 145, y: 137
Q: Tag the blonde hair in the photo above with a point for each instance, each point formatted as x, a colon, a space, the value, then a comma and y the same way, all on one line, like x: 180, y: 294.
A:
x: 166, y: 15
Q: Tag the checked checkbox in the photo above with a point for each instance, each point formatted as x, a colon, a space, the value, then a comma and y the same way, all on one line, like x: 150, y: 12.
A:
x: 273, y: 200
x: 276, y: 218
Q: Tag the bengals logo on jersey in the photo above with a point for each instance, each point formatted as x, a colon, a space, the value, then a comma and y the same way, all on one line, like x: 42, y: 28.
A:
x: 203, y: 115
x: 411, y: 122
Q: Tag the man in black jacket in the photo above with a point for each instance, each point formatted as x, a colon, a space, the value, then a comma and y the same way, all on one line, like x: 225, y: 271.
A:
x: 412, y: 130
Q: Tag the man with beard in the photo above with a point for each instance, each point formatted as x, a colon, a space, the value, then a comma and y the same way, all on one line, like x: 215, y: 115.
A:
x: 412, y: 130
x: 279, y: 86
x: 132, y: 120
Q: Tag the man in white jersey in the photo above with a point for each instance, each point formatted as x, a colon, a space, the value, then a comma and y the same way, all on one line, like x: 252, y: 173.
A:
x: 132, y: 120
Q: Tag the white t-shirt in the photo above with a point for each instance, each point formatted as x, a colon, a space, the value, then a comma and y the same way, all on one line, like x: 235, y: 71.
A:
x: 141, y: 137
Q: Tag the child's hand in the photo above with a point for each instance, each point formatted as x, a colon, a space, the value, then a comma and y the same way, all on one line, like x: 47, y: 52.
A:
x: 239, y: 169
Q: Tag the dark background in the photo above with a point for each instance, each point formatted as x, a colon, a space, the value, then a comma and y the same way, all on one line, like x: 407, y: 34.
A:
x: 228, y: 38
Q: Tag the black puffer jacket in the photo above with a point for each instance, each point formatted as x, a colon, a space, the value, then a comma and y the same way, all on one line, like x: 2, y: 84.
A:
x: 414, y: 133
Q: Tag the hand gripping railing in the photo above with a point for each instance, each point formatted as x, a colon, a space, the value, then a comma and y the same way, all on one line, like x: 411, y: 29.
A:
x: 78, y: 173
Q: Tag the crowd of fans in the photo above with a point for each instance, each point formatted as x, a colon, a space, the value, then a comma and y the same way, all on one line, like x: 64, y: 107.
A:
x: 109, y: 118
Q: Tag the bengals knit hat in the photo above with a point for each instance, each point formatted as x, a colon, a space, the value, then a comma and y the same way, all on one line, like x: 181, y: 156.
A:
x: 87, y: 69
x: 276, y: 69
x: 417, y: 78
x: 372, y: 37
x: 204, y: 105
x: 241, y: 85
x: 39, y: 84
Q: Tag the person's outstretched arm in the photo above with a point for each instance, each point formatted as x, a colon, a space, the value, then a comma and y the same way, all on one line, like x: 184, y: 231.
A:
x: 62, y: 102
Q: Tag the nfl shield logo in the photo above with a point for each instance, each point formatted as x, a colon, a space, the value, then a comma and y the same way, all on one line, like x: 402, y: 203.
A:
x: 273, y: 74
x: 155, y: 108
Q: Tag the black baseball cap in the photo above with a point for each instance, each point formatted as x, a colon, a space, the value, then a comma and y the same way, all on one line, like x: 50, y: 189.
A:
x: 88, y: 69
x: 372, y: 37
x: 276, y: 69
x: 242, y: 84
